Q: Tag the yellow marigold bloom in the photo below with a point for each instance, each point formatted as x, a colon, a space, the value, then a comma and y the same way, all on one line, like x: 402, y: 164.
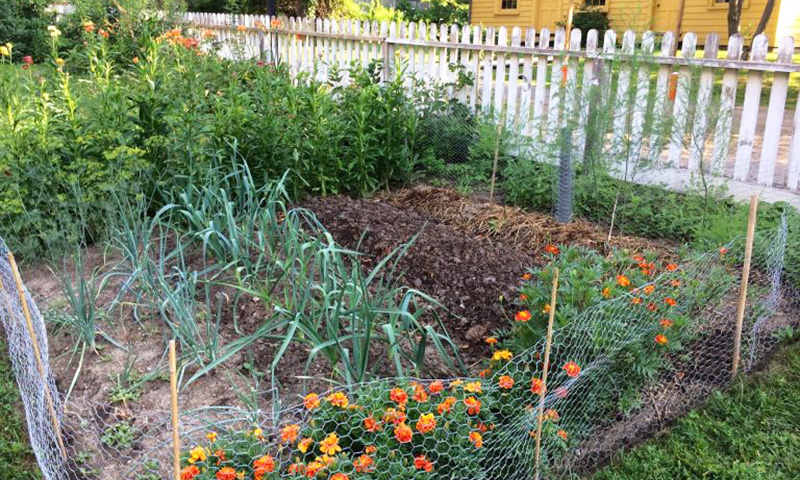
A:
x: 502, y: 355
x: 313, y: 468
x: 623, y: 281
x: 456, y: 383
x: 311, y: 401
x: 289, y: 433
x: 473, y: 405
x: 426, y: 423
x: 197, y: 454
x: 606, y: 292
x: 305, y: 444
x: 476, y: 438
x: 257, y: 432
x: 330, y: 446
x: 211, y: 436
x: 338, y: 399
x: 649, y: 289
x: 473, y: 387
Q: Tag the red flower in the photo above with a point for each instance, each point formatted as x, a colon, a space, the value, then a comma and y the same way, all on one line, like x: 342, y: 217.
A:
x: 723, y: 251
x: 572, y: 369
x: 638, y: 259
x: 522, y: 316
x: 652, y: 307
x: 28, y: 60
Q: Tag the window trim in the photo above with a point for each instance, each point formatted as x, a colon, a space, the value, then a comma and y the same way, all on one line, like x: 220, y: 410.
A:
x: 600, y: 8
x: 715, y: 5
x: 499, y: 10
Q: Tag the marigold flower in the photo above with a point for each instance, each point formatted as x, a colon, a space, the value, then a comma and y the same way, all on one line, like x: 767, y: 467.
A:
x: 371, y: 449
x: 649, y: 289
x: 670, y: 301
x: 523, y: 297
x: 363, y: 464
x: 636, y: 300
x: 289, y: 433
x: 476, y: 438
x: 551, y: 414
x: 572, y: 369
x: 623, y: 281
x: 258, y: 433
x: 422, y: 463
x: 135, y: 60
x: 420, y: 395
x: 446, y: 405
x: 522, y: 316
x: 675, y: 283
x: 546, y: 308
x: 537, y: 385
x: 60, y: 62
x: 606, y: 292
x: 371, y: 425
x: 426, y: 423
x: 723, y: 251
x: 305, y: 444
x: 311, y: 401
x: 403, y: 433
x: 483, y: 373
x: 394, y: 416
x: 552, y: 249
x: 436, y: 387
x: 339, y: 476
x: 220, y: 454
x: 88, y: 26
x: 313, y: 468
x: 330, y: 445
x: 491, y: 340
x: 296, y: 468
x: 526, y: 276
x: 473, y: 387
x: 338, y: 399
x: 652, y: 307
x: 473, y: 405
x: 226, y: 473
x: 190, y: 472
x: 103, y: 33
x: 665, y: 322
x: 197, y: 454
x: 671, y: 267
x: 265, y: 464
x: 661, y: 339
x: 211, y: 436
x: 506, y: 382
x: 562, y: 434
x: 241, y: 28
x: 638, y: 259
x: 502, y: 355
x: 398, y: 395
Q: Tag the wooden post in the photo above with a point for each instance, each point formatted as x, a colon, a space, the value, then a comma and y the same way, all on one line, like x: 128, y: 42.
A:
x: 37, y: 354
x: 496, y: 158
x: 545, y: 368
x: 173, y: 385
x: 679, y: 26
x: 748, y: 253
x: 569, y: 23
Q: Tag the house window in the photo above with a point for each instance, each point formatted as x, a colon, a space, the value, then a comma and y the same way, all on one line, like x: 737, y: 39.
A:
x: 508, y: 4
x: 595, y: 3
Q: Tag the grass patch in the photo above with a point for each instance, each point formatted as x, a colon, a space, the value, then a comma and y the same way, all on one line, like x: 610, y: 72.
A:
x: 16, y: 458
x: 750, y: 432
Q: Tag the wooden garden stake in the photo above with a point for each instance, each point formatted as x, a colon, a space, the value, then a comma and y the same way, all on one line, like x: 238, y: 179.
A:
x: 545, y: 368
x: 37, y: 354
x: 173, y: 385
x: 748, y: 253
x: 496, y: 158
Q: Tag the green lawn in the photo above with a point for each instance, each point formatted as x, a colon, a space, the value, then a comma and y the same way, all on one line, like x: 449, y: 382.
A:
x: 751, y: 432
x: 16, y: 458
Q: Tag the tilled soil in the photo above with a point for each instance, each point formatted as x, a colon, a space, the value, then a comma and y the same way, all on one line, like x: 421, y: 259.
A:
x: 467, y: 275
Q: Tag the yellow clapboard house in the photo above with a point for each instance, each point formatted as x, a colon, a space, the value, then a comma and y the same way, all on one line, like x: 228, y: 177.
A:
x: 699, y: 16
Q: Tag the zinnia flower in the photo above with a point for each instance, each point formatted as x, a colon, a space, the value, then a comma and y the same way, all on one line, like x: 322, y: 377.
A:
x: 190, y: 472
x: 426, y: 423
x: 552, y: 249
x: 502, y: 355
x: 289, y: 433
x: 623, y: 281
x: 506, y: 382
x: 226, y: 473
x: 422, y: 463
x: 537, y: 385
x: 473, y: 405
x: 403, y: 433
x: 572, y: 369
x: 661, y: 339
x: 398, y: 395
x: 522, y: 316
x: 28, y: 60
x: 311, y: 401
x: 338, y: 399
x: 476, y: 438
x: 330, y: 446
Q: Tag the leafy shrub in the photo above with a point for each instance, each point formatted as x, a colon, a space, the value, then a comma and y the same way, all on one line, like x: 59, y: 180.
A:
x: 24, y: 24
x: 436, y: 11
x: 587, y: 18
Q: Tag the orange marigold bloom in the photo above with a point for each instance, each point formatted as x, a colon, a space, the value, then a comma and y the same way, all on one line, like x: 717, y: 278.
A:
x: 572, y: 369
x: 339, y: 476
x: 403, y: 433
x: 398, y: 395
x: 552, y: 249
x: 670, y: 301
x: 606, y: 292
x: 220, y: 454
x: 661, y: 339
x: 491, y: 340
x: 522, y: 297
x: 562, y: 434
x: 546, y: 308
x: 473, y: 405
x: 371, y: 449
x: 665, y: 322
x: 394, y: 416
x: 240, y: 28
x: 675, y: 283
x: 426, y: 423
x: 265, y: 464
x: 522, y: 316
x: 537, y: 385
x: 311, y: 401
x: 638, y: 259
x: 636, y: 300
x: 338, y: 399
x: 485, y: 372
x: 436, y: 387
x: 296, y: 468
x: 671, y: 267
x: 420, y: 395
x: 476, y: 438
x: 371, y: 424
x: 652, y: 307
x: 473, y: 387
x: 506, y: 382
x: 313, y: 468
x: 226, y: 473
x: 623, y: 281
x: 551, y: 414
x: 305, y: 444
x: 363, y: 464
x: 421, y: 463
x: 649, y: 289
x: 446, y: 406
x: 526, y: 276
x: 330, y: 445
x: 211, y: 436
x: 190, y: 472
x: 289, y: 433
x: 502, y: 355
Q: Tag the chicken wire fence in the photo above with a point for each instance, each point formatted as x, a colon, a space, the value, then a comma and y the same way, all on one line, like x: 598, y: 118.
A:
x: 619, y: 371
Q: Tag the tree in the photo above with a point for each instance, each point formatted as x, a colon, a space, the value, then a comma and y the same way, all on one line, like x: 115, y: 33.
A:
x: 765, y: 16
x: 734, y: 16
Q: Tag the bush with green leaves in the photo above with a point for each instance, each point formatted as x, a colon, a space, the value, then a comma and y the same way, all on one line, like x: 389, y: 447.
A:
x: 23, y: 23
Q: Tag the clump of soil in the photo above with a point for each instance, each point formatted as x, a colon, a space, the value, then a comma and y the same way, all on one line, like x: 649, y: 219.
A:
x: 467, y: 275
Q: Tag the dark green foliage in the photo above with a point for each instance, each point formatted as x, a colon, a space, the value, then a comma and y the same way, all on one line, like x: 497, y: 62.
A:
x: 24, y: 24
x: 587, y: 18
x: 436, y: 11
x: 16, y: 459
